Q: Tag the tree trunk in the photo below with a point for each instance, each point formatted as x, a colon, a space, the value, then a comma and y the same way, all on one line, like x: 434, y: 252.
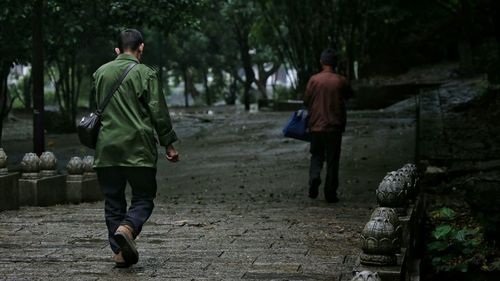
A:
x: 249, y: 74
x: 207, y: 90
x: 27, y: 93
x: 466, y: 59
x: 494, y: 69
x: 186, y: 86
x: 263, y: 77
x: 37, y: 72
x: 3, y: 98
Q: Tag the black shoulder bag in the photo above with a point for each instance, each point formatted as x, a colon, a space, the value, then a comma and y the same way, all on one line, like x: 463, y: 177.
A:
x: 89, y: 126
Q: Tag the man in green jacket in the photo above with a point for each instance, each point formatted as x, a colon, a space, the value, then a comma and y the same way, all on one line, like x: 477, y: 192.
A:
x: 126, y: 146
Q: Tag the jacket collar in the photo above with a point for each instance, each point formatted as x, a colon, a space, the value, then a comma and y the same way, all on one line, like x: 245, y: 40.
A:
x: 327, y: 71
x: 127, y: 57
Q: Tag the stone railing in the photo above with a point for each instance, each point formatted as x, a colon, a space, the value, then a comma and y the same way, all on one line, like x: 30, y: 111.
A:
x: 40, y: 183
x: 388, y: 238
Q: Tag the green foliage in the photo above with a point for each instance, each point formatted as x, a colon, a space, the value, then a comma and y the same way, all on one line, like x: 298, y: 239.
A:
x: 15, y: 32
x: 283, y: 93
x: 455, y: 247
x: 443, y: 214
x: 441, y: 231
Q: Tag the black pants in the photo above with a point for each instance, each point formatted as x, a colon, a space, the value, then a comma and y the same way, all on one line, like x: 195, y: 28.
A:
x: 326, y: 146
x: 113, y: 181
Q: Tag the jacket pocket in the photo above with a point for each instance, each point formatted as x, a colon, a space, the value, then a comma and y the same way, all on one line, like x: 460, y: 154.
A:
x: 150, y: 144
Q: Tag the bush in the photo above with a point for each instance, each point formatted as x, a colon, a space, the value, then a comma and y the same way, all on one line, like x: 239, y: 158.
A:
x: 457, y: 243
x: 284, y: 93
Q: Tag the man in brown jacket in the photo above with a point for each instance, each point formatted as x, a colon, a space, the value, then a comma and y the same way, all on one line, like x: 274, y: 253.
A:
x: 325, y: 98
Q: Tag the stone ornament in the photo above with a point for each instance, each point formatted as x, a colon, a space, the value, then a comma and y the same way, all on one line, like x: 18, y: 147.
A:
x: 30, y: 166
x: 3, y: 163
x: 391, y: 215
x: 380, y: 243
x: 88, y: 161
x: 366, y: 276
x: 75, y: 166
x: 411, y: 171
x: 392, y: 193
x: 48, y: 164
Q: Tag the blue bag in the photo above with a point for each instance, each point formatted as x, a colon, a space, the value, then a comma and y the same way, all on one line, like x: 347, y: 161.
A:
x: 296, y: 126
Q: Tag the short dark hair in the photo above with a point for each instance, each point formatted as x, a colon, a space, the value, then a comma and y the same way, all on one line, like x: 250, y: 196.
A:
x: 329, y: 57
x: 129, y: 39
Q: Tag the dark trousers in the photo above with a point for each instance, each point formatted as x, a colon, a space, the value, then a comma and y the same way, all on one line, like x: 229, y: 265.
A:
x: 113, y: 181
x: 326, y: 146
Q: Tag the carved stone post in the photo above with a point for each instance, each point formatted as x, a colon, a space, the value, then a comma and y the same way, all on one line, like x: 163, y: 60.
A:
x: 89, y: 172
x: 410, y: 171
x: 37, y: 188
x: 9, y: 189
x: 366, y: 275
x: 74, y: 180
x: 48, y: 164
x: 3, y: 163
x: 82, y: 181
x: 75, y: 168
x: 379, y: 243
x: 30, y: 166
x: 391, y: 215
x: 392, y: 193
x: 91, y: 191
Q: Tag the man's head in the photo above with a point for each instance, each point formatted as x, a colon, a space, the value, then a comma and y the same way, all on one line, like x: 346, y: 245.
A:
x: 329, y: 57
x: 130, y: 41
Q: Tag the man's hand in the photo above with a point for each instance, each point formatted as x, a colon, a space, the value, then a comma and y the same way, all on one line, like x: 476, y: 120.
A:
x: 172, y: 154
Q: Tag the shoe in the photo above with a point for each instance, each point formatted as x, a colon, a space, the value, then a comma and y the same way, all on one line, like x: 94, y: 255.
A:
x: 313, y: 188
x: 333, y: 199
x: 331, y: 195
x: 119, y: 261
x: 124, y: 238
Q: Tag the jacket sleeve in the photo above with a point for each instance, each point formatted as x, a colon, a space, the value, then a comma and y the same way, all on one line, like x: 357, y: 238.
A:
x: 158, y: 111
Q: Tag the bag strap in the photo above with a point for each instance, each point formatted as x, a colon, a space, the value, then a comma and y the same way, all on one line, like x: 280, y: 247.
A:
x: 115, y: 87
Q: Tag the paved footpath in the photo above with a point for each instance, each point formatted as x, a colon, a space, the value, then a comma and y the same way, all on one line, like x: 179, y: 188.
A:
x: 234, y: 208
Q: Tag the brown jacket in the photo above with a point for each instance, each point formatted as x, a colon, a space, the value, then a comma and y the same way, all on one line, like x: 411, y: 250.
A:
x: 325, y: 98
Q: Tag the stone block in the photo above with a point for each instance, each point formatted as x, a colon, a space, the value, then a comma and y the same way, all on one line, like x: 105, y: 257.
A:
x: 44, y: 191
x: 387, y: 273
x: 91, y: 191
x: 83, y: 189
x: 74, y: 188
x: 407, y: 227
x: 9, y: 191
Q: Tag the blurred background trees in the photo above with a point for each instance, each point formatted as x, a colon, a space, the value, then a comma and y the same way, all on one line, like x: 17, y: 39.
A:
x: 230, y: 51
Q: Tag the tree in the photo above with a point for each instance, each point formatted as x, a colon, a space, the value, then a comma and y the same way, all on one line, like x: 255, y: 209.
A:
x: 266, y: 54
x: 240, y: 16
x: 15, y: 29
x: 37, y: 72
x: 161, y: 18
x: 304, y: 29
x: 187, y: 51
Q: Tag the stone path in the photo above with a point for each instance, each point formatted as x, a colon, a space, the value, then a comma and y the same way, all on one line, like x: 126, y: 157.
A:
x: 235, y: 207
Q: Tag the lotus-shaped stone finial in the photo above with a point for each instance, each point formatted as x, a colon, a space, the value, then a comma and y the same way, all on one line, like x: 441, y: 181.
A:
x: 3, y: 162
x: 391, y: 215
x: 392, y: 193
x: 75, y: 166
x: 380, y: 242
x: 48, y: 164
x: 30, y: 166
x: 366, y: 276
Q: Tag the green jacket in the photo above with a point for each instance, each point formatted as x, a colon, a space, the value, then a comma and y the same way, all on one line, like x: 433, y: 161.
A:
x: 136, y: 110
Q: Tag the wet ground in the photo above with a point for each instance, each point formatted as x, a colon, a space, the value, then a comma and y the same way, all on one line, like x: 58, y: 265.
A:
x: 235, y: 207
